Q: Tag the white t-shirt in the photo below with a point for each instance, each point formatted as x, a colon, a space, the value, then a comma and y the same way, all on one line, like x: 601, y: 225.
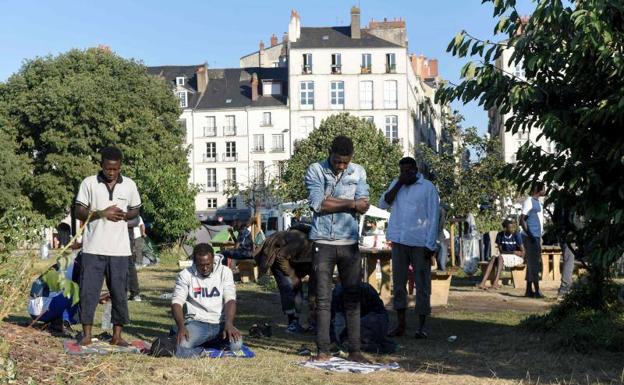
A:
x: 101, y: 236
x: 532, y: 208
x: 137, y: 229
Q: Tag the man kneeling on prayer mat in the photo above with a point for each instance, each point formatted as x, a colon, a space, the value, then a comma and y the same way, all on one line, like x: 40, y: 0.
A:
x: 205, y: 289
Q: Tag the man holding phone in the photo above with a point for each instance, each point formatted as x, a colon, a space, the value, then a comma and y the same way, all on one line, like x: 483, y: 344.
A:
x: 109, y: 200
x: 337, y: 193
x: 413, y: 230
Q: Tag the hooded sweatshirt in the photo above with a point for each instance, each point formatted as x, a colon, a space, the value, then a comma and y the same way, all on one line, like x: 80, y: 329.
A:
x: 204, y: 296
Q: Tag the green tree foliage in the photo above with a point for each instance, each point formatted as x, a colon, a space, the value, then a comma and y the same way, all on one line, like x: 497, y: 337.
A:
x: 373, y: 151
x: 14, y: 172
x: 573, y: 91
x: 467, y: 171
x: 63, y: 109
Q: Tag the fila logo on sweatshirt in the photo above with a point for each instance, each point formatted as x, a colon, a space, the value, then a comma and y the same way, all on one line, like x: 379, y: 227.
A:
x: 204, y: 293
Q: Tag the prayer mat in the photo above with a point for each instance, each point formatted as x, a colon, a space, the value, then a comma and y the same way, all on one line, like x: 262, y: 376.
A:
x: 73, y: 347
x: 343, y: 366
x: 245, y: 352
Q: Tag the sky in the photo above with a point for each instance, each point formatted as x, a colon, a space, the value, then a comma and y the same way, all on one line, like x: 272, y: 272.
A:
x: 159, y: 32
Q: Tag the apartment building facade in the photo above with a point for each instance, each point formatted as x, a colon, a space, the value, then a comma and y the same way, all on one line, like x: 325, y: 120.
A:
x: 511, y: 142
x: 242, y: 123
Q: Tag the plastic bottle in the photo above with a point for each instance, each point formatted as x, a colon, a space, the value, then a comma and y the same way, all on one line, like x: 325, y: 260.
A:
x: 378, y: 271
x: 106, y: 316
x: 44, y: 250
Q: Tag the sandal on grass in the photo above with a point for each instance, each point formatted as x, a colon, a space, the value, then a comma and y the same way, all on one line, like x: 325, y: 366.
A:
x: 421, y: 335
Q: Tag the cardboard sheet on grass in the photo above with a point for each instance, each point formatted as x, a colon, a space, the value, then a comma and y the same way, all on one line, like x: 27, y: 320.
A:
x: 72, y: 347
x: 343, y: 366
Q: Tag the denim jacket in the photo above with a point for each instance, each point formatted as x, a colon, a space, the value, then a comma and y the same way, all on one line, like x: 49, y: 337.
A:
x: 321, y: 182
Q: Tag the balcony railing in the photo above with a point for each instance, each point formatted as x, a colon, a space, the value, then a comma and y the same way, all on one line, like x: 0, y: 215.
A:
x: 390, y: 68
x: 257, y: 150
x: 229, y: 131
x: 210, y: 131
x: 277, y: 149
x: 365, y: 69
x: 306, y: 69
x: 230, y: 157
x: 209, y: 158
x: 336, y: 69
x: 211, y: 188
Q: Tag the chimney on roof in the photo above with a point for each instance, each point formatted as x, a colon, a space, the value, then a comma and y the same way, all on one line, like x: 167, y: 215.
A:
x: 254, y: 87
x: 424, y: 68
x: 355, y: 23
x: 274, y: 40
x: 261, y: 54
x: 433, y: 68
x: 201, y: 73
x: 393, y: 31
x: 294, y: 26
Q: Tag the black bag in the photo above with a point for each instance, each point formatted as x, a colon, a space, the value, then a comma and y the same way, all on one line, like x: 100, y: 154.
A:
x: 163, y: 346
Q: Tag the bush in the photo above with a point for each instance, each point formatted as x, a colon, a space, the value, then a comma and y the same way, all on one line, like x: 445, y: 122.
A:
x: 577, y: 327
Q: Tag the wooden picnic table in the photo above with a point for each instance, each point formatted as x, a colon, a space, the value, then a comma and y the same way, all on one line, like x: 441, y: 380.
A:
x: 370, y: 256
x: 223, y: 244
x: 551, y: 266
x: 440, y: 281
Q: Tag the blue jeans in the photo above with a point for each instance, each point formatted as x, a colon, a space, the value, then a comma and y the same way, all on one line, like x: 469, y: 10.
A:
x: 442, y: 255
x: 60, y: 307
x: 203, y: 335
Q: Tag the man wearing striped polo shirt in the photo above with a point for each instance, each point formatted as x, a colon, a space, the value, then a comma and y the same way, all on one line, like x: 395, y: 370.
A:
x: 109, y: 200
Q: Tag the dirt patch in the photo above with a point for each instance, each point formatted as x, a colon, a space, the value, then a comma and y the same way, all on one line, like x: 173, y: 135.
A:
x: 495, y: 301
x: 40, y: 358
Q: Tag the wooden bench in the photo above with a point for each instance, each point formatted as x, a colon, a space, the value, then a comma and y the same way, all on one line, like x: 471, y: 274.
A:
x: 247, y: 270
x: 517, y: 277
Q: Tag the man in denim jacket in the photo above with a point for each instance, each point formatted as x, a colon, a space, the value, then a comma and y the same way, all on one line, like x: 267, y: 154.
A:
x: 337, y: 192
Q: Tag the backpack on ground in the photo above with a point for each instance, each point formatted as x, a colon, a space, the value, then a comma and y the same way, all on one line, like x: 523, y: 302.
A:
x: 163, y: 346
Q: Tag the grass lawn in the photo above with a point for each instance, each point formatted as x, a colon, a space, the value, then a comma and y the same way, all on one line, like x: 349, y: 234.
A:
x: 489, y: 349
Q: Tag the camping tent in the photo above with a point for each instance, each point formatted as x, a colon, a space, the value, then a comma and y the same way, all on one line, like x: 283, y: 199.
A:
x: 204, y: 234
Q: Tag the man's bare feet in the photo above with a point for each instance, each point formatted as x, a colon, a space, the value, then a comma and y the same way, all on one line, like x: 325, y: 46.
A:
x: 358, y: 357
x: 321, y: 357
x: 119, y: 342
x: 86, y: 340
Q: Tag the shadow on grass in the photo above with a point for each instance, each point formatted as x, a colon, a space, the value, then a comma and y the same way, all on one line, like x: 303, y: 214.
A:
x: 487, y: 345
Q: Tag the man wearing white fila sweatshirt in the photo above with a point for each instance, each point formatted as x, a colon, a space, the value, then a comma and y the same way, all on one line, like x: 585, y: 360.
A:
x: 205, y: 288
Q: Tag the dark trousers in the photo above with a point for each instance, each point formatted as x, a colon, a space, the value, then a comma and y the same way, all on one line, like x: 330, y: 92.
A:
x: 402, y: 257
x: 347, y: 258
x: 533, y: 252
x: 133, y: 277
x: 94, y: 268
x: 567, y: 270
x: 289, y: 281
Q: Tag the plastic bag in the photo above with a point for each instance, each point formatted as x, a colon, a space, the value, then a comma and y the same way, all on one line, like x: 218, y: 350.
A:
x: 151, y: 254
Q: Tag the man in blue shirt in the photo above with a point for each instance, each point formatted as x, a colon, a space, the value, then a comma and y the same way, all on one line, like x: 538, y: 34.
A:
x: 532, y: 222
x: 413, y: 231
x: 337, y: 192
